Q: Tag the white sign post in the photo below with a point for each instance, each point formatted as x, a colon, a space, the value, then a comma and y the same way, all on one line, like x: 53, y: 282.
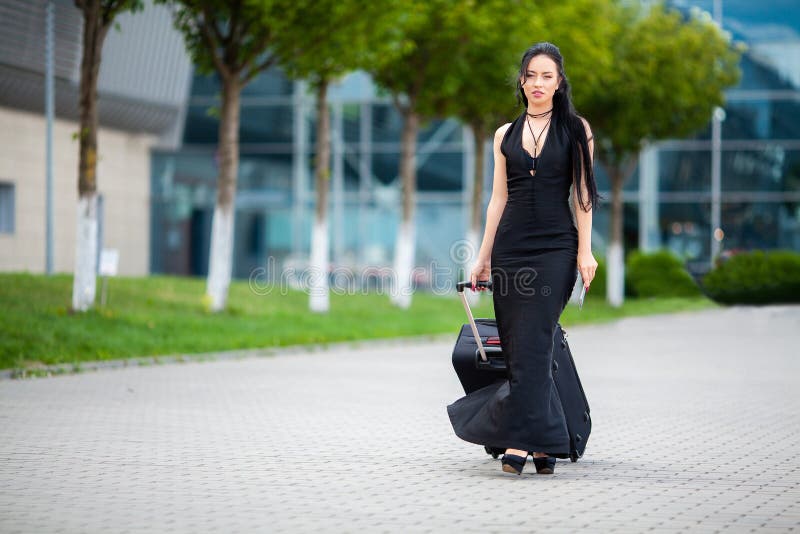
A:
x: 109, y: 261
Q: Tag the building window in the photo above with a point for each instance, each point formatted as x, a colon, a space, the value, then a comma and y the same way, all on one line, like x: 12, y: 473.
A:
x: 6, y: 208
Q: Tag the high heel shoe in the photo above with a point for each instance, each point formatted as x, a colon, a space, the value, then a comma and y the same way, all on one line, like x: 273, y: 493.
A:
x: 513, y: 463
x: 545, y: 465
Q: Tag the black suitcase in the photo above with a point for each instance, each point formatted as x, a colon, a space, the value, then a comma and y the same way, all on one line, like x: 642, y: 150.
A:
x: 478, y: 361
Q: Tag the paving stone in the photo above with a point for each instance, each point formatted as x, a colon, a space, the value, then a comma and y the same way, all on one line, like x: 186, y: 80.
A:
x: 696, y: 418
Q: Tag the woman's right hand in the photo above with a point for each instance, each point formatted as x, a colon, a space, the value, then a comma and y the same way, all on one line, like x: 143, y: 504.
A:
x: 481, y: 271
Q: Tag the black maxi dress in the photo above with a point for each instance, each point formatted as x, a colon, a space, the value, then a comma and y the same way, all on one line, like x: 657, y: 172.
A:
x: 533, y: 270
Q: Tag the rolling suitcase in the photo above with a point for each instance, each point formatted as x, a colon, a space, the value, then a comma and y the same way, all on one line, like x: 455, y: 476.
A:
x: 478, y: 361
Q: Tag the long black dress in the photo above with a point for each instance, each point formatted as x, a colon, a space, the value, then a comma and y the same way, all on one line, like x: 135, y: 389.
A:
x: 533, y: 272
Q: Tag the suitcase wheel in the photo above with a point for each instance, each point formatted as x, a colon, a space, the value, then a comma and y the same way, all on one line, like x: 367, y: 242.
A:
x: 574, y: 457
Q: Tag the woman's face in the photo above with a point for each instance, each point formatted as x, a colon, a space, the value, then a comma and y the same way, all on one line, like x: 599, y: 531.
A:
x: 541, y: 79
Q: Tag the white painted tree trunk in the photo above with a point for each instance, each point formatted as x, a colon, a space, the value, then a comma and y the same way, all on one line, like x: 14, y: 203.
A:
x: 403, y: 264
x: 319, y: 300
x: 615, y: 278
x: 221, y: 258
x: 473, y: 297
x: 84, y: 281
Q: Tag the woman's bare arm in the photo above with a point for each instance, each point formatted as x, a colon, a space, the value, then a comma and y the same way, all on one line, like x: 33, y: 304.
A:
x: 583, y: 219
x: 497, y: 202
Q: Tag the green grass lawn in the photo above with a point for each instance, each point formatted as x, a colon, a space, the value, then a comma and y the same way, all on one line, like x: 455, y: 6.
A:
x: 162, y: 315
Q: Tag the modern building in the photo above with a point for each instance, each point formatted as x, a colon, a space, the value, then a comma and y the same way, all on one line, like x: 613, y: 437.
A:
x: 736, y: 184
x: 143, y: 85
x: 740, y: 175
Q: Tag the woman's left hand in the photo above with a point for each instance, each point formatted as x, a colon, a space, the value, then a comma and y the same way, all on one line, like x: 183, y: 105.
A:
x: 587, y: 266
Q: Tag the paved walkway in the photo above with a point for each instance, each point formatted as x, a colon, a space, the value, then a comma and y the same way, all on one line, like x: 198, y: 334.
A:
x: 696, y: 427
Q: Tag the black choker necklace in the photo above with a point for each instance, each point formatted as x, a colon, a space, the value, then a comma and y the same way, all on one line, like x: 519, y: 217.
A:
x: 536, y: 115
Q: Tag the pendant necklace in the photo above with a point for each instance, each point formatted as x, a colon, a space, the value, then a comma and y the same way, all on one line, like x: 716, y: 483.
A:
x: 536, y: 140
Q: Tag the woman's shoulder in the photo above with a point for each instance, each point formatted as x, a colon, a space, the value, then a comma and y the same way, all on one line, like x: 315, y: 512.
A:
x: 500, y: 136
x: 501, y: 131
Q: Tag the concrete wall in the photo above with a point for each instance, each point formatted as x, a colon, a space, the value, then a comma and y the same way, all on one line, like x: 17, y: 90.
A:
x: 123, y: 180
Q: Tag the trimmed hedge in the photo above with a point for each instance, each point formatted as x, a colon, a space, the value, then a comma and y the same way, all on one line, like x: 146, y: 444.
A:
x: 658, y: 274
x: 756, y: 277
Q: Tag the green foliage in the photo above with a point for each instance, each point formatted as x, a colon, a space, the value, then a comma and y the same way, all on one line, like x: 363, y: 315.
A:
x: 346, y: 35
x: 111, y: 8
x: 421, y: 69
x: 658, y: 274
x: 668, y: 74
x: 114, y: 7
x: 482, y: 65
x: 491, y: 37
x: 232, y: 39
x: 756, y: 277
x: 583, y: 31
x: 106, y: 11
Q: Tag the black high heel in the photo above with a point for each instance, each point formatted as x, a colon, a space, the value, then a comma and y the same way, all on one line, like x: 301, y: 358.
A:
x: 513, y: 463
x: 545, y: 465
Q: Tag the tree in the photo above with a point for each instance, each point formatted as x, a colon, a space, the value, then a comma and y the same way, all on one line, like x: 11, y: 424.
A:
x: 420, y: 75
x: 98, y: 17
x: 669, y: 73
x: 346, y: 35
x: 233, y: 39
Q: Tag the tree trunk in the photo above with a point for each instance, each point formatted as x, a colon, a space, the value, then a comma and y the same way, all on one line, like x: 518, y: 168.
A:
x: 84, y: 280
x: 319, y: 300
x: 615, y: 264
x: 221, y: 256
x: 406, y: 235
x: 476, y: 211
x: 476, y: 203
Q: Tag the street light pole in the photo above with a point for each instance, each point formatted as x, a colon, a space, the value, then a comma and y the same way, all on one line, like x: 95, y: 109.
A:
x: 718, y: 116
x: 49, y: 112
x: 716, y: 183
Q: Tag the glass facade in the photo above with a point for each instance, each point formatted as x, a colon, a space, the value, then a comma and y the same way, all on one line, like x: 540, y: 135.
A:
x: 759, y: 138
x: 275, y: 200
x: 669, y: 201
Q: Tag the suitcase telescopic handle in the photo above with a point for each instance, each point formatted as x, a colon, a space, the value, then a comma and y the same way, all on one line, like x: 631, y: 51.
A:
x: 460, y: 287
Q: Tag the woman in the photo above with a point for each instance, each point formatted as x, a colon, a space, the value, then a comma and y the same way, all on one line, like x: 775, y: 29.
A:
x: 530, y: 249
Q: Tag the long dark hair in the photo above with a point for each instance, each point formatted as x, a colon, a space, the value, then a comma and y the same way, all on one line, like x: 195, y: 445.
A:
x: 568, y: 119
